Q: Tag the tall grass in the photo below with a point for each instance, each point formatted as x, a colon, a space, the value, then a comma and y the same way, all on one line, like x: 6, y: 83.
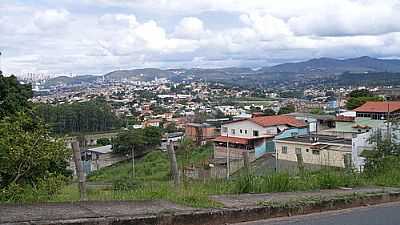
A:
x: 283, y: 182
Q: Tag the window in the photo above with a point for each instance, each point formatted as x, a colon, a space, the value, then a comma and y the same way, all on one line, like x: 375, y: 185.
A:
x: 255, y: 133
x: 245, y: 131
x: 241, y: 131
x: 233, y: 131
x: 284, y: 149
x: 298, y: 150
x: 307, y: 150
x: 315, y: 152
x: 224, y: 129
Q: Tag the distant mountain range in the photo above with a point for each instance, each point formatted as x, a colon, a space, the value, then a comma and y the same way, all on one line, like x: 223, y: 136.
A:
x: 330, y: 65
x: 282, y: 72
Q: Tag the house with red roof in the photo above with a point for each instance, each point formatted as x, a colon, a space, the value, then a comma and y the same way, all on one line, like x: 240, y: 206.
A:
x: 255, y: 135
x: 379, y: 110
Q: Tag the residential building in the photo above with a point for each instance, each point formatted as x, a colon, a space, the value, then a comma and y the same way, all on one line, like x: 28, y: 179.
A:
x: 200, y: 133
x: 255, y: 135
x: 321, y: 150
x: 371, y: 115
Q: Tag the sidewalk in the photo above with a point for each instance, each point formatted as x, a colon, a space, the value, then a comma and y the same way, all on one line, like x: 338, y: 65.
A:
x: 237, y: 208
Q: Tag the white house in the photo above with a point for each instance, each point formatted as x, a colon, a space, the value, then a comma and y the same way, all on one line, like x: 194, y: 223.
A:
x: 255, y: 135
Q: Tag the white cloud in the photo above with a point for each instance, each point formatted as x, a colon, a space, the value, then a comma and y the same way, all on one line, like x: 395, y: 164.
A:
x: 95, y: 36
x: 190, y: 27
x: 267, y: 26
x: 51, y: 18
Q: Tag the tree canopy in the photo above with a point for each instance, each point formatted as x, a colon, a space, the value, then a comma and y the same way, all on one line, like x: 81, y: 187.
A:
x: 92, y: 116
x: 13, y: 96
x: 287, y: 109
x: 269, y: 112
x: 139, y: 140
x: 355, y: 102
x: 27, y: 152
x: 360, y: 93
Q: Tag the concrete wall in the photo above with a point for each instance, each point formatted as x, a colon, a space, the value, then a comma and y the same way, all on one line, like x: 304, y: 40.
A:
x: 325, y: 157
x: 234, y: 153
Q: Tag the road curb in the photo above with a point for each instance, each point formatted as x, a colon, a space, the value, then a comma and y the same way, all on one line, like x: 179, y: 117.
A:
x: 233, y: 215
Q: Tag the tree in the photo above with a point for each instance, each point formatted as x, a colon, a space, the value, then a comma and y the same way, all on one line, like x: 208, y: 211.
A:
x: 139, y: 140
x: 13, y: 96
x: 317, y: 111
x: 355, y: 102
x: 28, y: 153
x: 269, y: 112
x: 92, y: 116
x: 171, y: 127
x: 286, y: 109
x: 360, y: 93
x: 103, y: 141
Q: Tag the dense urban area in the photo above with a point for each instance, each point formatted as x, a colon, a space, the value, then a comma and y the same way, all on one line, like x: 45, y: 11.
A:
x: 226, y: 136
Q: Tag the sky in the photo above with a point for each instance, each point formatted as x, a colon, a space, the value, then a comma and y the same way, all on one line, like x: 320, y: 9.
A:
x: 99, y: 36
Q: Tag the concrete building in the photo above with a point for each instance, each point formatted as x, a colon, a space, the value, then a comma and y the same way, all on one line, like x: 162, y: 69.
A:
x: 317, y: 150
x: 99, y: 157
x: 255, y: 135
x: 200, y: 133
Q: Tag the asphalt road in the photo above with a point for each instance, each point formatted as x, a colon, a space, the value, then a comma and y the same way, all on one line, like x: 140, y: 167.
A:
x: 385, y: 214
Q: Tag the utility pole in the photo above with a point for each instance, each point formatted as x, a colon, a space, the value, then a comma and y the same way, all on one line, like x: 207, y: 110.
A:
x: 174, y: 164
x: 276, y: 159
x: 388, y: 123
x: 228, y: 169
x: 79, y: 170
x: 133, y: 161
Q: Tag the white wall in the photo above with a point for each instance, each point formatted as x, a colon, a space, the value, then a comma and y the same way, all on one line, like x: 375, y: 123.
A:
x: 250, y: 127
x: 359, y: 144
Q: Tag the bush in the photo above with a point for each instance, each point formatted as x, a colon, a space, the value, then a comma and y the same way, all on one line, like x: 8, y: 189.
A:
x: 125, y: 184
x: 44, y: 190
x: 103, y: 141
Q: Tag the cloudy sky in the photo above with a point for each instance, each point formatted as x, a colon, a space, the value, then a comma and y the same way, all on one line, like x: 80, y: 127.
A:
x: 98, y: 36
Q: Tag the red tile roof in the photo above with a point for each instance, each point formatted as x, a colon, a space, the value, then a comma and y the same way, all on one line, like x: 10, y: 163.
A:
x: 235, y: 140
x: 267, y: 121
x: 379, y: 107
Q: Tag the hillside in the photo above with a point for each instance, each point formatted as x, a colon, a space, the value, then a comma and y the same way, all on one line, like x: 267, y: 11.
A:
x: 303, y: 72
x: 331, y: 66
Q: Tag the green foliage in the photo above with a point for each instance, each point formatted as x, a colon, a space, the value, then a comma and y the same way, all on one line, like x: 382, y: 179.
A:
x: 103, y: 141
x: 126, y: 184
x: 355, y: 102
x: 317, y: 111
x: 171, y: 127
x: 13, y: 96
x: 139, y: 140
x: 44, y: 190
x: 154, y: 166
x: 283, y: 182
x: 92, y: 116
x: 286, y: 109
x: 27, y: 152
x: 360, y: 93
x: 269, y: 112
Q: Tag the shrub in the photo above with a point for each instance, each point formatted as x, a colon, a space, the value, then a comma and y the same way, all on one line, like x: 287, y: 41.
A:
x: 125, y: 184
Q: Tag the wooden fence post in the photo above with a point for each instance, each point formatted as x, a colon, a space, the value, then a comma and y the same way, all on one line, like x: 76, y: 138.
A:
x: 174, y: 164
x: 246, y: 161
x: 79, y: 170
x: 300, y: 162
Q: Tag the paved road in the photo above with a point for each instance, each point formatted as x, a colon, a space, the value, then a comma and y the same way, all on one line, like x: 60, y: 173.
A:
x: 386, y: 214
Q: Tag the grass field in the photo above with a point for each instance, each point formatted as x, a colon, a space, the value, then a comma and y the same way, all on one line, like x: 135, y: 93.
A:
x: 152, y: 182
